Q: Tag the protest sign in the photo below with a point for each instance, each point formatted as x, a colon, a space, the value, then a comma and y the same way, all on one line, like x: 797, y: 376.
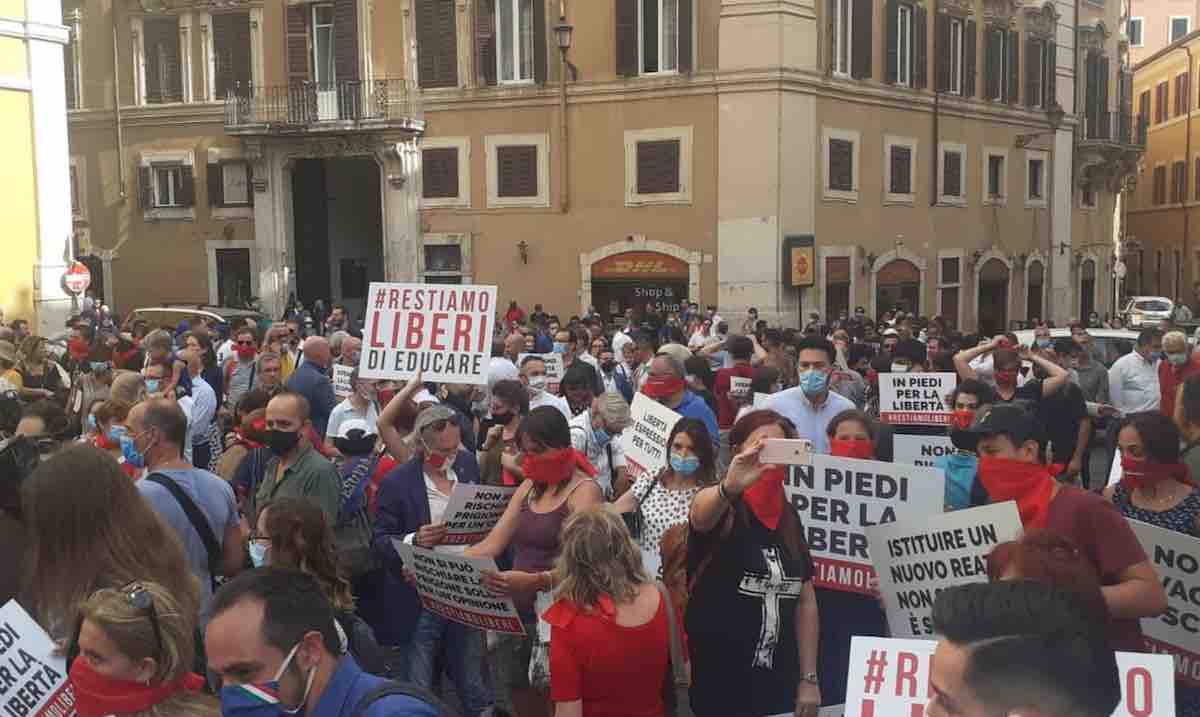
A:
x: 554, y: 369
x: 839, y: 498
x: 652, y: 563
x: 739, y: 388
x: 891, y: 677
x: 915, y: 398
x: 920, y: 450
x: 443, y: 331
x: 645, y: 442
x: 450, y: 586
x: 917, y: 560
x: 473, y: 510
x: 341, y: 380
x: 1114, y: 470
x: 760, y: 399
x: 33, y: 676
x: 1176, y: 632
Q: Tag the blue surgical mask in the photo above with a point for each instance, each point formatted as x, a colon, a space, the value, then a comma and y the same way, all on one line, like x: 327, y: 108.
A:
x: 601, y: 436
x: 684, y: 466
x: 100, y: 366
x: 559, y: 347
x: 132, y: 455
x: 261, y: 700
x: 90, y: 421
x: 814, y: 382
x: 153, y: 385
x: 258, y: 553
x: 115, y: 433
x: 1043, y: 343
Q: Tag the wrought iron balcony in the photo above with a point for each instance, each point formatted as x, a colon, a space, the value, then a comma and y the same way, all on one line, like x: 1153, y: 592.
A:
x: 305, y: 107
x: 1115, y: 128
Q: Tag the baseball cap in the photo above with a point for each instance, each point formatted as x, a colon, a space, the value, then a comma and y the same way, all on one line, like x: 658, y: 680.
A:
x: 1008, y: 419
x: 432, y: 415
x: 891, y: 332
x: 348, y: 427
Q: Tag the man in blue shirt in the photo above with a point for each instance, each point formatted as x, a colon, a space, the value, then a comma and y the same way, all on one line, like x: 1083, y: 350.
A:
x: 311, y: 380
x: 272, y: 642
x: 666, y: 385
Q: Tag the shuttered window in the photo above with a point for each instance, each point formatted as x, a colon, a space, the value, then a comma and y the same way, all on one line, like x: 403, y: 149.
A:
x: 1097, y: 117
x: 518, y: 40
x: 1036, y: 179
x: 1038, y: 65
x: 517, y: 171
x: 166, y: 186
x: 439, y: 168
x: 1196, y: 180
x: 653, y: 36
x: 841, y: 165
x: 231, y: 52
x: 1001, y: 54
x: 1160, y: 185
x: 1178, y: 182
x: 952, y: 184
x: 1144, y: 106
x: 995, y: 176
x: 658, y: 167
x: 164, y: 74
x: 900, y: 163
x: 437, y: 49
x: 906, y: 44
x: 1160, y: 102
x: 1181, y: 94
x: 70, y: 71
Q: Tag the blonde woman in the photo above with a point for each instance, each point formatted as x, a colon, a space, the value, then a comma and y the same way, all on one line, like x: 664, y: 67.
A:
x: 610, y: 636
x: 136, y: 649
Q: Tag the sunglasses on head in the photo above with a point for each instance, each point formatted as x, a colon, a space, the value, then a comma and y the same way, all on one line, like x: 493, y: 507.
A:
x: 140, y: 598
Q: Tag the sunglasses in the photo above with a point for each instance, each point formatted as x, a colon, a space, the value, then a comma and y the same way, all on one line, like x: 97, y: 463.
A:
x: 439, y: 426
x: 139, y: 598
x: 245, y: 343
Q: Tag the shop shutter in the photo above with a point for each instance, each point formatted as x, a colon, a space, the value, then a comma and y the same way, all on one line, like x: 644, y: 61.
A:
x: 1014, y: 68
x: 485, y: 42
x: 540, y: 41
x: 627, y: 38
x: 439, y: 169
x: 862, y: 39
x: 437, y: 50
x: 517, y: 167
x: 297, y: 44
x: 891, y: 25
x: 920, y: 47
x: 841, y: 165
x: 969, y: 59
x: 941, y: 41
x: 686, y: 27
x: 658, y: 167
x: 216, y: 184
x: 345, y: 39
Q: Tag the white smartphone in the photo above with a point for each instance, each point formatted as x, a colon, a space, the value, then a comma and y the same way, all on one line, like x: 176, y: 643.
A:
x: 786, y: 452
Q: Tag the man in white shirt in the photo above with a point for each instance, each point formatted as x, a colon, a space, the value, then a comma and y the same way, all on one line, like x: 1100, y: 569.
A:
x: 596, y: 432
x: 533, y: 375
x: 1133, y: 378
x: 204, y: 411
x: 811, y: 405
x: 360, y: 404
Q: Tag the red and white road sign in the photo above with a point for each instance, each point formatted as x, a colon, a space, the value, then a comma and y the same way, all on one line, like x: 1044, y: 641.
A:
x: 77, y: 278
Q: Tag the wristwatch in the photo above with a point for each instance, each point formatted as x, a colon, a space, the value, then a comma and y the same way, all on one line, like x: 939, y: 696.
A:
x: 809, y: 677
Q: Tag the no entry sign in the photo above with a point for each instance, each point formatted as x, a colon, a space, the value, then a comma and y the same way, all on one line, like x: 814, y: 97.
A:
x: 77, y: 278
x: 443, y: 331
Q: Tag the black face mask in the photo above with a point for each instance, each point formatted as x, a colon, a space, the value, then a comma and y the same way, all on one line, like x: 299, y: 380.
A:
x: 502, y: 419
x: 608, y: 366
x: 280, y: 442
x: 964, y: 440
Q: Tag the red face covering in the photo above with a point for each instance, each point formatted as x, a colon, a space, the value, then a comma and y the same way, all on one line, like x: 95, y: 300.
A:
x: 660, y: 387
x: 246, y: 352
x: 1141, y: 473
x: 962, y: 419
x: 79, y: 349
x: 765, y: 498
x: 853, y: 448
x: 97, y: 695
x: 1030, y: 484
x: 1006, y: 378
x: 437, y: 460
x: 555, y: 466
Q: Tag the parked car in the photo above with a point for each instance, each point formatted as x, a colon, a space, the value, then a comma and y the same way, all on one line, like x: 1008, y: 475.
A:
x: 1113, y: 343
x: 168, y: 317
x: 1148, y: 310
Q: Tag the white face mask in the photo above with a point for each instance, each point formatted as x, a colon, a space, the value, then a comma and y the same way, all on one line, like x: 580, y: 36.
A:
x: 537, y: 384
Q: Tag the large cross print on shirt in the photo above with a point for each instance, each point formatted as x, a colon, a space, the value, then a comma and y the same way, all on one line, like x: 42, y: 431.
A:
x: 772, y: 588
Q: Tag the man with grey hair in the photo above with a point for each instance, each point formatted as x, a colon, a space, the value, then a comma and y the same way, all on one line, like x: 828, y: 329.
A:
x: 1181, y: 364
x: 596, y: 432
x: 666, y: 384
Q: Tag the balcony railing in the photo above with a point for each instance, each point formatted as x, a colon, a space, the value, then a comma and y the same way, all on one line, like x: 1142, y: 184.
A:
x: 307, y: 105
x: 1115, y: 128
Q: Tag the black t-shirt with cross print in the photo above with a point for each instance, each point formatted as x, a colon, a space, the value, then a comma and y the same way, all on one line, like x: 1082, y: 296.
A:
x: 741, y: 618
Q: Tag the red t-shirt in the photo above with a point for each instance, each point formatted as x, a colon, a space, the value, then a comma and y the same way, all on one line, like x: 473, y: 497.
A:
x: 617, y: 671
x: 727, y: 408
x: 1100, y: 531
x: 1170, y: 378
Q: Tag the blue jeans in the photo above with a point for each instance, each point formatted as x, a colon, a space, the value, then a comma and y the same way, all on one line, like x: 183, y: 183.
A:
x: 464, y: 659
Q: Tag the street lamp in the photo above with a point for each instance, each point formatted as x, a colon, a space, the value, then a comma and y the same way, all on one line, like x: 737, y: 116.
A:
x: 562, y: 34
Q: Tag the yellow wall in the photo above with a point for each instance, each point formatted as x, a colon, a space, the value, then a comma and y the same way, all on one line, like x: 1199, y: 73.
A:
x: 18, y: 211
x: 14, y: 9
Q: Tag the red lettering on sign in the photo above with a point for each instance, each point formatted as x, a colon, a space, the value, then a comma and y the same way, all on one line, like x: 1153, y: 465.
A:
x: 439, y: 329
x: 868, y: 708
x: 462, y: 330
x: 416, y: 325
x: 906, y: 671
x: 468, y: 302
x: 1140, y: 703
x: 375, y: 343
x: 393, y: 299
x: 917, y: 710
x: 396, y: 328
x: 406, y: 299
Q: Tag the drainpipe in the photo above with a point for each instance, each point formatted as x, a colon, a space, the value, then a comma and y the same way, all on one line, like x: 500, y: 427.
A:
x: 564, y: 173
x: 935, y: 174
x: 117, y: 106
x: 1187, y: 166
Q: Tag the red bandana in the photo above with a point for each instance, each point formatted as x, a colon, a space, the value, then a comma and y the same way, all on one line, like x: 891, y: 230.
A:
x: 765, y: 498
x: 555, y: 466
x: 1030, y: 484
x: 660, y: 387
x: 853, y: 448
x: 97, y: 695
x: 1140, y: 473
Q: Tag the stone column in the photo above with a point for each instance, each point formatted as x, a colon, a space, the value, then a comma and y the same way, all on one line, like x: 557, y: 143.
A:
x: 1062, y: 301
x: 399, y: 159
x: 272, y: 220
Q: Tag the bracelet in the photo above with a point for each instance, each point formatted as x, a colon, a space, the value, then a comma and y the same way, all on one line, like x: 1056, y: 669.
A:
x: 724, y: 493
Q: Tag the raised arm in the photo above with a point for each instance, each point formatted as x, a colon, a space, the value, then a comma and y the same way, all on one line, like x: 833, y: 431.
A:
x: 963, y: 359
x: 389, y: 419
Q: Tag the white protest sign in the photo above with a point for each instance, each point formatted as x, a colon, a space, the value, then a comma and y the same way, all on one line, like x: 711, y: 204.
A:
x: 920, y: 450
x: 1114, y: 470
x: 739, y: 388
x: 915, y: 561
x: 450, y: 586
x: 473, y: 510
x: 33, y: 677
x: 554, y: 369
x: 341, y: 380
x: 1176, y: 632
x: 652, y: 563
x: 839, y: 498
x: 441, y: 330
x: 760, y: 399
x: 915, y: 398
x: 891, y: 677
x: 645, y: 442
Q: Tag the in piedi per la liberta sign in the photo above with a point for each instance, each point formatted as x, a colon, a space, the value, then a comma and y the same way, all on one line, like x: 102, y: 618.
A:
x: 33, y: 675
x: 915, y: 398
x: 442, y: 331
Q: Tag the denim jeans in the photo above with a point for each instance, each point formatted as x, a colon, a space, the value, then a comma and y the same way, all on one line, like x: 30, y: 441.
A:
x: 464, y: 659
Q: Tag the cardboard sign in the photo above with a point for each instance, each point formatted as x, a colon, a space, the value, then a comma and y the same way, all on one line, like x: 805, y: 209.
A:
x: 450, y: 586
x: 1176, y: 632
x: 441, y: 330
x: 916, y: 561
x: 891, y: 677
x: 33, y: 678
x: 920, y: 450
x: 554, y: 369
x: 473, y: 511
x: 341, y: 380
x: 915, y: 399
x: 645, y: 442
x: 839, y: 498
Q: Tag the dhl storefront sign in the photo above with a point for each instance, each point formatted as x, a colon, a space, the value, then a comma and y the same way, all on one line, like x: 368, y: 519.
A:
x: 640, y: 265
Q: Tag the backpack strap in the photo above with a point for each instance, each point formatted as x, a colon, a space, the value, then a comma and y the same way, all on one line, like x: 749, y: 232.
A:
x: 678, y: 659
x: 404, y: 689
x: 723, y: 532
x: 196, y: 518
